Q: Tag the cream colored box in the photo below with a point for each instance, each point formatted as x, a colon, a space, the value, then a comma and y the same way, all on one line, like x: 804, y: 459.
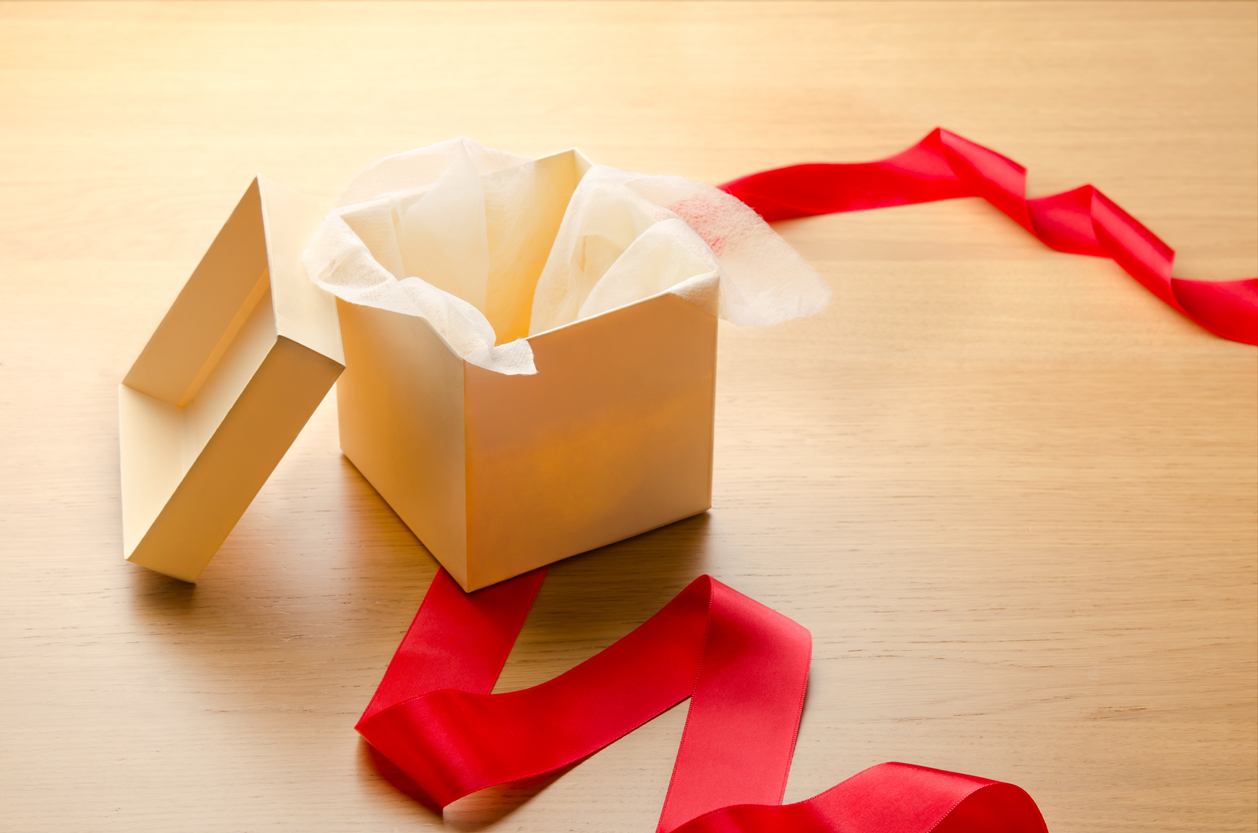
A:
x: 498, y: 474
x: 240, y: 362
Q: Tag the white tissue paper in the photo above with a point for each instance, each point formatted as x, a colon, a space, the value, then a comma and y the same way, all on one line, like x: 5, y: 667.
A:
x: 491, y: 248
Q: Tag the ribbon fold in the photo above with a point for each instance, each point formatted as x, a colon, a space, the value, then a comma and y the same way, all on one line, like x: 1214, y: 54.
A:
x: 745, y: 669
x: 946, y: 166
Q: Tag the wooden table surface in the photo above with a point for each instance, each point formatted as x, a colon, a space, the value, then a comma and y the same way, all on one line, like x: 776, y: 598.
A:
x: 1013, y: 496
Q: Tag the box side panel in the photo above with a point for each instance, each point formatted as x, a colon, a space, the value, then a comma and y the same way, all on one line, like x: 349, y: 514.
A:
x: 233, y: 465
x: 303, y: 312
x: 611, y: 438
x: 200, y: 323
x: 400, y: 409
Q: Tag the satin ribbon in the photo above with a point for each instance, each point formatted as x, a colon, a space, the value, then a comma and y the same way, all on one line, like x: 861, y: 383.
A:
x: 745, y: 669
x: 744, y: 666
x: 945, y: 166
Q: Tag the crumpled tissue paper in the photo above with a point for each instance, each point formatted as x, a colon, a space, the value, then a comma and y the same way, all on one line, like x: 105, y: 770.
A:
x: 491, y: 247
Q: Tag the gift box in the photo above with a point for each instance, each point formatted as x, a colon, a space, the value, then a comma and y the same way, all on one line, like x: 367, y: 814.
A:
x: 500, y: 473
x: 528, y: 346
x: 497, y: 474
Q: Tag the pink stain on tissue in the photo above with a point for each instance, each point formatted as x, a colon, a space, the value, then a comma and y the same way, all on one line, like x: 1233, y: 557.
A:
x: 701, y: 213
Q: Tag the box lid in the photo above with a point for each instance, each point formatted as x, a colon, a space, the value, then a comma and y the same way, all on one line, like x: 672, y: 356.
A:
x: 237, y: 366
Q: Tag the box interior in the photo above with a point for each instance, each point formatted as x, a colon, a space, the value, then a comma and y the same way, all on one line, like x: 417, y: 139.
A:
x: 496, y: 267
x: 520, y: 244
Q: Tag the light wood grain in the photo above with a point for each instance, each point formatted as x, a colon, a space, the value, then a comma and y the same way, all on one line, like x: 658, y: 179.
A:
x: 1014, y: 497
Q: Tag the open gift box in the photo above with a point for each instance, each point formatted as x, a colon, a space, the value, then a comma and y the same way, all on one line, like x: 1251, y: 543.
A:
x: 499, y: 474
x: 507, y: 424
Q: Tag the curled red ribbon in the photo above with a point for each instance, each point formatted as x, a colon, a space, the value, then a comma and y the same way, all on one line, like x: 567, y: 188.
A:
x: 945, y: 166
x: 745, y: 669
x: 744, y: 666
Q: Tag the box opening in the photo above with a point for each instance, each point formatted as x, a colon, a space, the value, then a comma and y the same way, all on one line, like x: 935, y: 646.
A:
x: 514, y: 274
x: 412, y: 233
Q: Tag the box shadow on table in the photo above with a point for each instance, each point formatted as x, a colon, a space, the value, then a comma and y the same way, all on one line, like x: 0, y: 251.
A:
x: 592, y: 599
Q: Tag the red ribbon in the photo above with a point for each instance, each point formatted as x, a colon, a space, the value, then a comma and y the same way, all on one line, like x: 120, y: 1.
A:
x: 744, y: 666
x: 745, y: 669
x: 945, y: 166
